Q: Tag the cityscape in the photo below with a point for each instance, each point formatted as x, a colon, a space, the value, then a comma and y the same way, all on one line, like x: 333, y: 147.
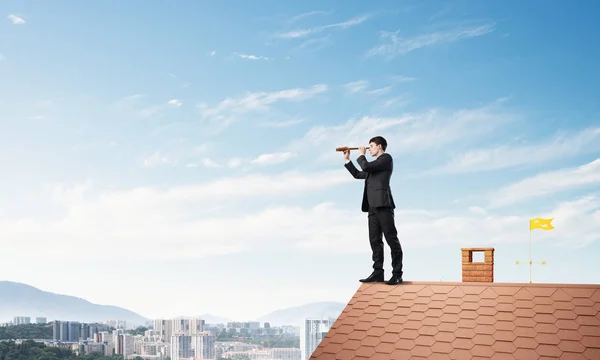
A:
x: 299, y: 180
x: 181, y: 338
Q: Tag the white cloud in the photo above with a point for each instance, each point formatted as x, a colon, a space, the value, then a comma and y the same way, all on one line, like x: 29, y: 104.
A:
x: 132, y: 105
x: 308, y: 14
x: 402, y: 78
x: 397, y: 45
x: 175, y: 102
x: 213, y: 53
x: 477, y: 210
x: 317, y: 29
x: 234, y: 162
x: 548, y: 183
x: 361, y: 86
x: 177, y: 222
x: 185, y: 222
x: 156, y: 159
x: 209, y: 163
x: 356, y: 86
x: 501, y: 157
x: 380, y: 91
x: 227, y: 110
x: 314, y: 44
x: 251, y: 57
x: 16, y: 19
x: 274, y: 158
x: 409, y: 132
x: 397, y: 101
x: 281, y: 124
x: 577, y: 223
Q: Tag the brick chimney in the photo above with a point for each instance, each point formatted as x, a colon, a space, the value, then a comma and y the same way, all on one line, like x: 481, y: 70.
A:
x: 477, y: 271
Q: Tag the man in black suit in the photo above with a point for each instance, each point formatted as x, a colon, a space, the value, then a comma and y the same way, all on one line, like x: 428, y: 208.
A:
x: 379, y: 203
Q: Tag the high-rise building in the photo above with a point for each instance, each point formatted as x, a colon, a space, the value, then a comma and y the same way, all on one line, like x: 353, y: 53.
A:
x: 164, y: 328
x: 117, y: 324
x: 204, y: 345
x: 40, y: 320
x: 196, y: 326
x: 64, y: 331
x: 181, y: 346
x: 56, y: 330
x: 21, y: 320
x: 311, y: 334
x: 74, y: 331
x: 126, y: 345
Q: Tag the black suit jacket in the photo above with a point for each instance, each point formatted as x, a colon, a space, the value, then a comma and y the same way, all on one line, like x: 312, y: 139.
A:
x: 377, y: 175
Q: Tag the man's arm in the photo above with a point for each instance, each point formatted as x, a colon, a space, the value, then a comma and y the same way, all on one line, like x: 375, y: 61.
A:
x: 383, y: 162
x: 357, y: 174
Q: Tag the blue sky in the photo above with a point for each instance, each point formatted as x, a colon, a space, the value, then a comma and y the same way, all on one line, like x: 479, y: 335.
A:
x: 180, y: 159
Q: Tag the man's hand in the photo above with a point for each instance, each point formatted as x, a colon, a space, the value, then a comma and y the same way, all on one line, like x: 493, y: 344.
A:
x: 362, y: 150
x: 346, y: 155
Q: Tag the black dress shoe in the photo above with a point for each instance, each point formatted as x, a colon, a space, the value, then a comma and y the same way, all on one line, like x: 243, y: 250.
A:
x: 374, y: 277
x: 394, y: 280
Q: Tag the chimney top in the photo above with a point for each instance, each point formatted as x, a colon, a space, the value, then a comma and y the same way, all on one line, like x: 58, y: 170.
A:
x: 477, y: 271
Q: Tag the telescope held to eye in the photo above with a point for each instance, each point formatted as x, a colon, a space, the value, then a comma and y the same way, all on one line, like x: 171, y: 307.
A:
x: 344, y: 148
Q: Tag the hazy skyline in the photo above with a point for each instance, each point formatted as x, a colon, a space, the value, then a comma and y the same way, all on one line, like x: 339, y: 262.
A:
x: 179, y: 160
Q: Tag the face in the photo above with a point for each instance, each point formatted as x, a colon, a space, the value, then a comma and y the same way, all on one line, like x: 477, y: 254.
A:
x: 373, y: 148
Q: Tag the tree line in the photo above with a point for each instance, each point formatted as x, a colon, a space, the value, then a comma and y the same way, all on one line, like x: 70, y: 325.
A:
x: 32, y: 350
x: 26, y: 331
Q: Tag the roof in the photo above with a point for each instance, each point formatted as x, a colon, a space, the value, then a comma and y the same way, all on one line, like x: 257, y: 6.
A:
x: 466, y: 320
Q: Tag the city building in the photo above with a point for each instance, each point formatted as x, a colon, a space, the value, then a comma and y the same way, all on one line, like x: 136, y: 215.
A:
x: 21, y: 320
x: 312, y: 333
x: 181, y: 346
x: 204, y: 345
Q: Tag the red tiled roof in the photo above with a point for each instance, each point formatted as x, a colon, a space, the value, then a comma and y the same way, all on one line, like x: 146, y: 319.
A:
x: 466, y: 321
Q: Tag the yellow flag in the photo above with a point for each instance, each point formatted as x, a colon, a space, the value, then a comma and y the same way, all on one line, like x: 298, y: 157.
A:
x: 539, y: 223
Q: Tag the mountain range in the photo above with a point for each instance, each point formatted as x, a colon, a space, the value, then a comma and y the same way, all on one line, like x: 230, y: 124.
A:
x: 17, y: 299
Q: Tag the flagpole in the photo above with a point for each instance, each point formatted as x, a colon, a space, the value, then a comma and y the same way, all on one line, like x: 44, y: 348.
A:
x: 537, y: 223
x: 530, y: 256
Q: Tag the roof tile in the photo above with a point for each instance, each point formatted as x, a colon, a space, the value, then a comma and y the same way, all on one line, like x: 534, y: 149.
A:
x: 548, y: 350
x: 442, y: 347
x: 588, y: 320
x: 425, y: 340
x: 525, y: 354
x: 525, y: 343
x: 483, y: 351
x: 571, y: 346
x: 467, y: 321
x: 505, y: 325
x: 561, y: 295
x: 567, y: 324
x: 590, y: 341
x: 421, y: 350
x: 590, y: 330
x: 385, y: 348
x: 444, y: 336
x: 592, y: 353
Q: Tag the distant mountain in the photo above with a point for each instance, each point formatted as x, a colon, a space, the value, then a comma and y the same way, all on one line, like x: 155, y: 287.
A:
x: 18, y: 299
x: 295, y: 315
x: 213, y: 319
x: 208, y: 318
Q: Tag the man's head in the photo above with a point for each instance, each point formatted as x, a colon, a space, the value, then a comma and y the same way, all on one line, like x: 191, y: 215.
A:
x: 377, y: 146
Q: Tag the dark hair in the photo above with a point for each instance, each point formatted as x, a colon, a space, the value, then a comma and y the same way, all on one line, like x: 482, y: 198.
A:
x: 379, y: 140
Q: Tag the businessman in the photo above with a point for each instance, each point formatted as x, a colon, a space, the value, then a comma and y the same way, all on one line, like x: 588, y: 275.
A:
x: 378, y: 203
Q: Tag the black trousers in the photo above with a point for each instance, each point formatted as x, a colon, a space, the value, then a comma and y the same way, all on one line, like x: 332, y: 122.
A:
x: 381, y: 222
